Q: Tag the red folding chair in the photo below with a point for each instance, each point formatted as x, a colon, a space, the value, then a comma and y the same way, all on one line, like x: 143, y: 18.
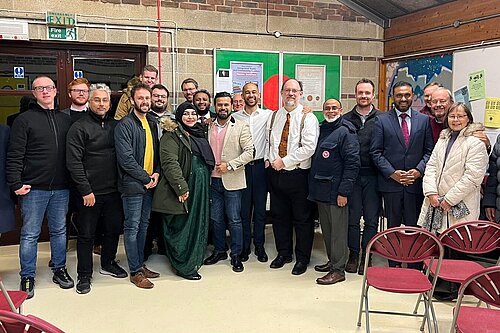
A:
x: 485, y: 286
x: 473, y: 237
x: 12, y: 322
x: 11, y: 300
x: 407, y: 245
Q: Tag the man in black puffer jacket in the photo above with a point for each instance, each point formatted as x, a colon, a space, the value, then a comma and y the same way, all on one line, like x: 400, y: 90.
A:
x: 36, y: 172
x: 334, y: 170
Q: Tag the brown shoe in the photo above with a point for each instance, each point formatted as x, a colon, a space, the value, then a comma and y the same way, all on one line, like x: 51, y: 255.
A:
x: 324, y: 268
x: 361, y: 268
x: 149, y: 273
x: 352, y: 263
x: 141, y: 281
x: 331, y: 278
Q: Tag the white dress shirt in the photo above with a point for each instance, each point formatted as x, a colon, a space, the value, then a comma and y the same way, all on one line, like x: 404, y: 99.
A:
x: 296, y: 157
x: 258, y: 124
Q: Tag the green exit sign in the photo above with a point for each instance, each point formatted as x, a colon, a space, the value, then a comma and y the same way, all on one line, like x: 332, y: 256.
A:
x: 67, y: 33
x: 60, y: 19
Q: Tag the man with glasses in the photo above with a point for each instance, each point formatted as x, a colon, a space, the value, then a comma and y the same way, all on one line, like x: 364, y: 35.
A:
x: 238, y: 102
x: 91, y: 161
x: 36, y: 173
x: 78, y: 91
x: 189, y: 87
x: 291, y: 142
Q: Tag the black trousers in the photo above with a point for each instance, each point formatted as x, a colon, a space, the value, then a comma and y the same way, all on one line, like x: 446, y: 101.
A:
x: 291, y: 211
x: 108, y: 212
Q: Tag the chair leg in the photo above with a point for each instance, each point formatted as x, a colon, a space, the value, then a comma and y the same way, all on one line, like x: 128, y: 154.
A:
x: 418, y: 304
x: 434, y: 318
x: 364, y: 289
x: 367, y: 312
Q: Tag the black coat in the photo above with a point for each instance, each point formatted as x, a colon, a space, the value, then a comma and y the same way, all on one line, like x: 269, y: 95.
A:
x: 335, y: 163
x: 37, y: 150
x: 90, y: 154
x: 7, y: 210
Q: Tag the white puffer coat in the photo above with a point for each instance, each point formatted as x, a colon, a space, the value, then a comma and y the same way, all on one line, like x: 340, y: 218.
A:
x: 460, y: 178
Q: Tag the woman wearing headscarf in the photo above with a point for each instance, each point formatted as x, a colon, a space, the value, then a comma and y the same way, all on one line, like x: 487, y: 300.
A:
x: 182, y: 195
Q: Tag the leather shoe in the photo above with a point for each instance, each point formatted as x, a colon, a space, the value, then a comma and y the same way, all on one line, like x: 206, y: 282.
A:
x: 149, y: 273
x: 261, y: 254
x: 237, y: 264
x: 215, y: 258
x: 331, y: 278
x: 323, y: 268
x: 192, y: 277
x: 299, y: 268
x: 280, y: 261
x: 244, y: 256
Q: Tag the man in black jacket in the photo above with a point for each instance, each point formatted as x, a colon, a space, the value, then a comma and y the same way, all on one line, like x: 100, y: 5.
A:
x: 136, y: 144
x: 36, y: 172
x: 365, y: 199
x: 91, y: 161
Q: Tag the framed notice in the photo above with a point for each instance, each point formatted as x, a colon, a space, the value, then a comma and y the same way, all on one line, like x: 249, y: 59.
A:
x: 313, y: 78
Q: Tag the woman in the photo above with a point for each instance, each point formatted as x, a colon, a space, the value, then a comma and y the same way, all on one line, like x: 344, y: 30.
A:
x: 182, y: 194
x: 454, y: 173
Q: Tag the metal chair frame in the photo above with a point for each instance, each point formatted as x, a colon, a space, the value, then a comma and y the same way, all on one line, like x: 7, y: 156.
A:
x: 16, y: 322
x: 7, y: 297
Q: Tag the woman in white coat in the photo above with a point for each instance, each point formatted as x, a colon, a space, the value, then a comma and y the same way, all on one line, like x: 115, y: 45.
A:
x: 454, y: 172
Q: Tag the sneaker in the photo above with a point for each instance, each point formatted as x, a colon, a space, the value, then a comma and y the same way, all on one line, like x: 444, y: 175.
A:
x: 113, y: 270
x: 83, y: 285
x: 62, y: 278
x: 28, y: 285
x: 141, y: 281
x: 149, y: 273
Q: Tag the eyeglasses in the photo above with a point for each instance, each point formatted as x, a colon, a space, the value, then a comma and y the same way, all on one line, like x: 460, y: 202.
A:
x: 80, y: 91
x: 459, y: 117
x: 48, y: 88
x: 293, y: 91
x: 160, y: 96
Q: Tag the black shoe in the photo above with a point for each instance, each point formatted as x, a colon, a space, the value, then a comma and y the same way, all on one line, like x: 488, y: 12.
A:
x: 237, y: 264
x: 261, y: 254
x: 352, y: 263
x: 280, y: 261
x: 325, y: 268
x: 51, y: 263
x: 215, y: 258
x: 244, y: 256
x: 113, y: 270
x: 361, y: 268
x: 192, y: 277
x: 28, y: 285
x: 83, y: 285
x: 299, y: 268
x: 62, y: 278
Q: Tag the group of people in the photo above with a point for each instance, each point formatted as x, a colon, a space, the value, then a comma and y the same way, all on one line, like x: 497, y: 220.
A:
x: 204, y: 171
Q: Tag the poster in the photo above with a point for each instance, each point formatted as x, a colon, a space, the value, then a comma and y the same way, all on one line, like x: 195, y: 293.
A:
x: 313, y: 81
x: 462, y: 96
x: 245, y: 72
x: 224, y: 81
x: 492, y: 113
x: 477, y: 86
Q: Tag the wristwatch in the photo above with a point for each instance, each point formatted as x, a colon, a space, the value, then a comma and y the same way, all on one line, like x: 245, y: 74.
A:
x: 229, y: 167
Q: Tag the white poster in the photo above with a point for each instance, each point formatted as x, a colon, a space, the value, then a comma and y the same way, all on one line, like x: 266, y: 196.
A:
x: 313, y: 81
x: 245, y: 72
x: 224, y: 80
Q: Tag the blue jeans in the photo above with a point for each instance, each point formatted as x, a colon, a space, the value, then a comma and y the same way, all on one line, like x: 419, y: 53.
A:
x: 226, y: 203
x: 34, y: 206
x: 136, y: 209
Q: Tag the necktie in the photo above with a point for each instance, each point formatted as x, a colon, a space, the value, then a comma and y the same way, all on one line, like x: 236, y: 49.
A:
x: 282, y: 149
x: 404, y: 129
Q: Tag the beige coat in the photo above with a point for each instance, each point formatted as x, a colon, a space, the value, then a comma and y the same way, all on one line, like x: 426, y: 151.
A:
x: 237, y: 151
x: 461, y: 176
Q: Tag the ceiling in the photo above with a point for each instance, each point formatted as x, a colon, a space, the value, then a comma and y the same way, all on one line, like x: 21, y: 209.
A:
x: 382, y: 11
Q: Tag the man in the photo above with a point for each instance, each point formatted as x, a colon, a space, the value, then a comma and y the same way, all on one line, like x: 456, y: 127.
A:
x: 159, y: 104
x: 238, y: 102
x: 189, y: 86
x: 148, y: 76
x: 91, y: 161
x: 334, y: 171
x: 202, y: 102
x: 136, y: 144
x: 441, y: 100
x: 36, y: 172
x: 401, y: 146
x: 292, y: 141
x: 254, y: 196
x: 232, y: 146
x: 78, y: 91
x: 365, y: 199
x: 428, y: 90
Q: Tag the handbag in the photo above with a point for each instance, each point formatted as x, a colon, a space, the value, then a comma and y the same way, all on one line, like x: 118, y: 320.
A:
x: 433, y: 219
x: 460, y: 210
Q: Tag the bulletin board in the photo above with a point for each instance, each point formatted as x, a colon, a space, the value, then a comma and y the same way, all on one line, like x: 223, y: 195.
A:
x: 320, y: 74
x: 476, y: 80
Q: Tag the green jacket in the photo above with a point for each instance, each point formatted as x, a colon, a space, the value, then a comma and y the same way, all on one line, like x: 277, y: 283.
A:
x: 175, y: 161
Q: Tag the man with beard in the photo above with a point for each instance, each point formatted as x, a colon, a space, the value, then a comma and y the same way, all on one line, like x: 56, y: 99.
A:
x: 231, y: 143
x: 428, y: 90
x: 188, y: 87
x: 292, y: 138
x: 78, y: 91
x: 401, y: 146
x: 365, y: 199
x: 136, y: 144
x: 238, y: 102
x: 159, y: 104
x: 254, y: 196
x: 91, y: 161
x: 202, y: 102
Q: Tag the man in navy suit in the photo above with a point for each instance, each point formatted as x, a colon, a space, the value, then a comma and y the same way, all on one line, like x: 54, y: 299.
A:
x: 401, y: 146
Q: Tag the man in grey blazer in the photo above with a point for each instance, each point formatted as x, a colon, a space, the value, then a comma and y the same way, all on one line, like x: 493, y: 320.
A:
x: 232, y: 145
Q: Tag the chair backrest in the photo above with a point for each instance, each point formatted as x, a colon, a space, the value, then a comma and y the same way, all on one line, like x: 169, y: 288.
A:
x: 472, y: 237
x: 484, y: 285
x: 12, y: 322
x: 406, y: 244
